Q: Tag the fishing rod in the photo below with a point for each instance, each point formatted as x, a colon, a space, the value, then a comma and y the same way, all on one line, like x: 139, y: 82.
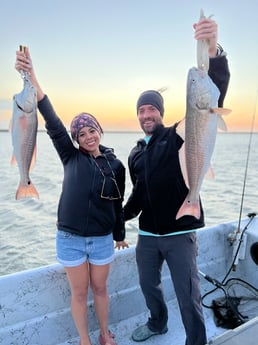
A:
x: 247, y: 159
x: 238, y: 232
x: 239, y: 235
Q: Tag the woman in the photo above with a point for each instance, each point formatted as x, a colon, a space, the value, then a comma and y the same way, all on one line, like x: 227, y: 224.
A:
x: 90, y: 213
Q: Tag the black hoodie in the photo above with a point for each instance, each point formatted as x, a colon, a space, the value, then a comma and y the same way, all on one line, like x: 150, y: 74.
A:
x: 82, y: 210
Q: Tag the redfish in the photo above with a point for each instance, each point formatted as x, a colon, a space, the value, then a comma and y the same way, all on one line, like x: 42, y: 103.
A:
x: 202, y: 119
x: 24, y: 132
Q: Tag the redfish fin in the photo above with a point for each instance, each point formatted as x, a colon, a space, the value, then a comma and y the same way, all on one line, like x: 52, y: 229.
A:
x: 182, y: 161
x: 28, y: 191
x: 180, y: 129
x: 13, y: 160
x: 222, y: 124
x: 221, y: 111
x: 189, y: 209
x: 210, y: 173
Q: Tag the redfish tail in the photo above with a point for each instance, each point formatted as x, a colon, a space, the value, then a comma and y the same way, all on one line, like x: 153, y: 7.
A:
x: 189, y: 209
x: 28, y: 191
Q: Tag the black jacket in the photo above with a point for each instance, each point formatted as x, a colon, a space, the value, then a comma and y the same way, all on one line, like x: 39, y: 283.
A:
x: 81, y: 208
x: 158, y: 184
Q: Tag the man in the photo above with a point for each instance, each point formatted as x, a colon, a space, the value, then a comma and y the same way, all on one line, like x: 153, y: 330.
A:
x: 158, y: 191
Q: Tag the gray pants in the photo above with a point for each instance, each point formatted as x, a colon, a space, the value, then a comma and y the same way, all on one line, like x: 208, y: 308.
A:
x: 179, y: 251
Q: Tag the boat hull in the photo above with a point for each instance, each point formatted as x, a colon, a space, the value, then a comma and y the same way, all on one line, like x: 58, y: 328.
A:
x: 35, y: 304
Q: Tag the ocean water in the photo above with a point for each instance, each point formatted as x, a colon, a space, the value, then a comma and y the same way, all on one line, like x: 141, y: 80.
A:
x: 27, y: 227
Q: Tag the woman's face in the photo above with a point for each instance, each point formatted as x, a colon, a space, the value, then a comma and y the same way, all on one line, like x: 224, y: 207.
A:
x: 89, y: 140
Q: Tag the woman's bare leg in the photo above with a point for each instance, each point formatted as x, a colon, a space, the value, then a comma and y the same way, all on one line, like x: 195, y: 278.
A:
x: 98, y: 282
x: 78, y: 278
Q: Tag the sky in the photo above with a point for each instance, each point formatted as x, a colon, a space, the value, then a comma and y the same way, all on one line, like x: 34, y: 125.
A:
x: 98, y: 56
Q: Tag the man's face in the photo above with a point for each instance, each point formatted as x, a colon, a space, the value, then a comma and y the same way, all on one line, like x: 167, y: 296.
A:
x: 149, y: 118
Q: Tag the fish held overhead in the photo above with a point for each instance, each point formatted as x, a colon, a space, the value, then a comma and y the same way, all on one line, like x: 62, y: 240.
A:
x: 24, y: 132
x: 203, y: 117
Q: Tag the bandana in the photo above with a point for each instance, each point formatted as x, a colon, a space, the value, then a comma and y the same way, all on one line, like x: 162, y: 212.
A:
x: 84, y: 120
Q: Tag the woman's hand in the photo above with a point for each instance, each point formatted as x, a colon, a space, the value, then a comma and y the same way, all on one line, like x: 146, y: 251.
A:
x: 23, y: 61
x: 121, y: 244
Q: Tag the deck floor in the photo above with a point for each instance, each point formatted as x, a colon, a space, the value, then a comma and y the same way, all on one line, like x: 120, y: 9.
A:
x: 175, y: 334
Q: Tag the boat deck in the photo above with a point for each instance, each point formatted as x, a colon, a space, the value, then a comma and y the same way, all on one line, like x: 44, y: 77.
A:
x: 175, y: 334
x: 245, y: 334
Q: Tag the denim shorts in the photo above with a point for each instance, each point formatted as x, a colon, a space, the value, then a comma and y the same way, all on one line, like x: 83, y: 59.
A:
x: 73, y: 250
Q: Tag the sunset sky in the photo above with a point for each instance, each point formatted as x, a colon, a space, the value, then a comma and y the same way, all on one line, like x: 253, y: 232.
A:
x: 98, y: 55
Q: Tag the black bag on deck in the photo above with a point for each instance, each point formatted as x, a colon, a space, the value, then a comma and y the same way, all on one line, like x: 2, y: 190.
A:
x: 225, y: 312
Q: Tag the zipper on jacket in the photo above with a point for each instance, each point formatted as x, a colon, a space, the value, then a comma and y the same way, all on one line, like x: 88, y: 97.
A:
x: 145, y: 149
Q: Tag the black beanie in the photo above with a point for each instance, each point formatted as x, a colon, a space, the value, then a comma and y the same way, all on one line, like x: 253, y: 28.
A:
x: 151, y: 97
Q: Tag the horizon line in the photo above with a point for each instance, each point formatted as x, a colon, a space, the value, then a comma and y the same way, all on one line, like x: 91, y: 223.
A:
x: 140, y: 131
